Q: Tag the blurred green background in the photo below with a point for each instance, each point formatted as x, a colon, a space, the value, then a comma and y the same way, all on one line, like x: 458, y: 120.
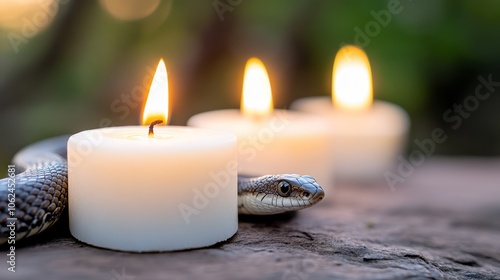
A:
x: 67, y: 65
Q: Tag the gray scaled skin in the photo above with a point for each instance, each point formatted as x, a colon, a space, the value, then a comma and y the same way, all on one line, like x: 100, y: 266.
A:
x: 40, y: 191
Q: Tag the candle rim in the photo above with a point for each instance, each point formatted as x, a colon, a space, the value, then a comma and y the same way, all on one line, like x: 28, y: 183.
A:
x: 189, y: 140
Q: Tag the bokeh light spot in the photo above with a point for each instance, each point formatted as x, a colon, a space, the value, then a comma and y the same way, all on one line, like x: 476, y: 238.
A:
x: 27, y: 17
x: 130, y: 9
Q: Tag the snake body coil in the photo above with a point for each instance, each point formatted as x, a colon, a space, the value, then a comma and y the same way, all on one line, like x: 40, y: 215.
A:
x: 41, y: 191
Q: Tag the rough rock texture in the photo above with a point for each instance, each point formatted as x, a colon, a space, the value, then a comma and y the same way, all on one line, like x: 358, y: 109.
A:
x: 443, y: 222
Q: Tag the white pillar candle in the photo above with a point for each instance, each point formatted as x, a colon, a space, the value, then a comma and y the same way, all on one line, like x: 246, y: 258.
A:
x: 176, y: 190
x: 364, y: 144
x: 285, y: 142
x: 366, y: 138
x: 133, y: 190
x: 272, y: 141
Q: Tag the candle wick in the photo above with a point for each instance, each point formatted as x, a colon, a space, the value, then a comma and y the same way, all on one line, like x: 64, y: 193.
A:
x: 151, y: 131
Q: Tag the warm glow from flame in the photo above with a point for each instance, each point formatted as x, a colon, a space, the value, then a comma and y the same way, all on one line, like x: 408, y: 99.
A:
x: 156, y: 107
x: 27, y: 18
x: 257, y: 98
x: 352, y: 79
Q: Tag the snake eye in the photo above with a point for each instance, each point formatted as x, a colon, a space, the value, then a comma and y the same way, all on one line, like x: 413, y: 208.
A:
x: 284, y: 188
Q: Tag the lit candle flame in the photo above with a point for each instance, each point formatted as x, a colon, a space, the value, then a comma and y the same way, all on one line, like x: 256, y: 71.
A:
x: 352, y: 79
x: 257, y: 100
x: 156, y: 107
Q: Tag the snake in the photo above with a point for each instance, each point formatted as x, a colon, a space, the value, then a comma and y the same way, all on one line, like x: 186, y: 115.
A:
x: 35, y: 194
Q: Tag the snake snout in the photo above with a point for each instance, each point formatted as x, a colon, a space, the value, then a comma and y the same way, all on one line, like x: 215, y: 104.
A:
x: 319, y: 195
x: 312, y: 193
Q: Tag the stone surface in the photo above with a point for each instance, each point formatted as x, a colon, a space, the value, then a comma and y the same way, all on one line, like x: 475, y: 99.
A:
x: 443, y: 222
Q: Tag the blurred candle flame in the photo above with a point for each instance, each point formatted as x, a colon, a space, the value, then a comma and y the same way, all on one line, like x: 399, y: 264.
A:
x: 130, y: 9
x: 257, y: 100
x: 156, y: 107
x: 352, y: 79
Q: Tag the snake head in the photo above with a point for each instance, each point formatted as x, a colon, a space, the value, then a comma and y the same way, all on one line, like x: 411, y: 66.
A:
x: 274, y: 194
x: 303, y: 187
